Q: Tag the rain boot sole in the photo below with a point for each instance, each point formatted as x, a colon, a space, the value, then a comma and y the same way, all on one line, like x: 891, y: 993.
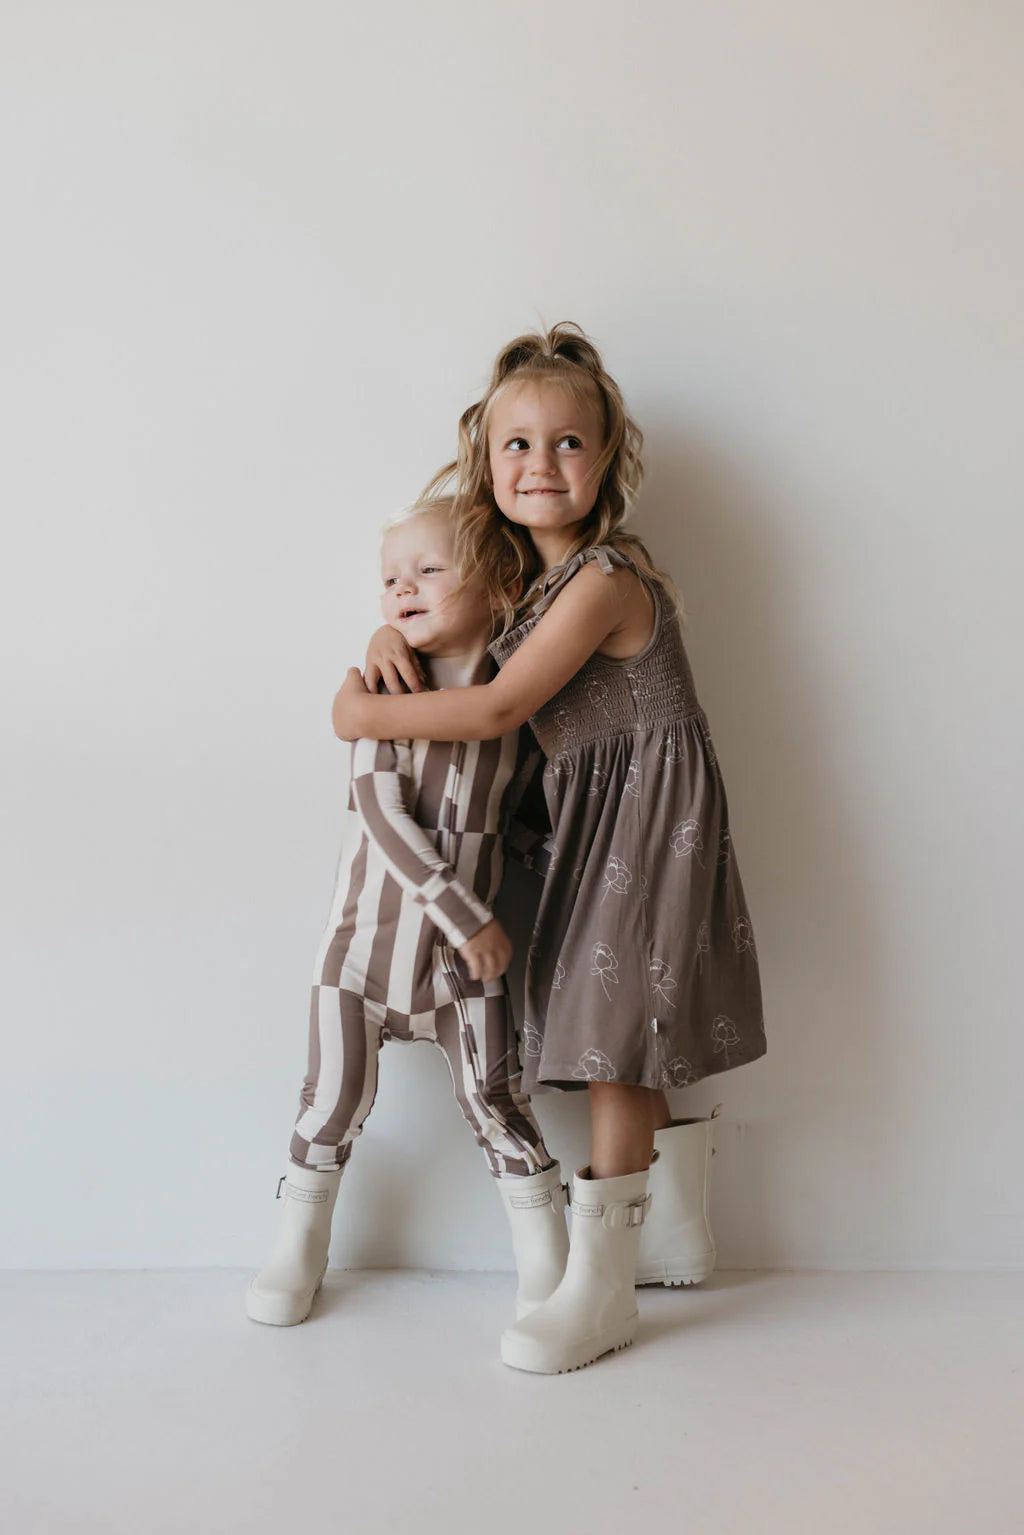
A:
x: 537, y: 1359
x: 279, y: 1308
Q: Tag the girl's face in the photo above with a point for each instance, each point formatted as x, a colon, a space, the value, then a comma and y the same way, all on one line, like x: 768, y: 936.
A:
x: 544, y: 443
x: 424, y: 596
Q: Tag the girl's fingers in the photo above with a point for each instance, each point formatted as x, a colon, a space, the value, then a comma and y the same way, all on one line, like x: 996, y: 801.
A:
x: 372, y: 676
x: 392, y: 681
x: 411, y: 675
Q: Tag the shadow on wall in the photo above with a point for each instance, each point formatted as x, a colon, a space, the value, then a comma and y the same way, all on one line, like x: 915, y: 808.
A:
x: 828, y: 1088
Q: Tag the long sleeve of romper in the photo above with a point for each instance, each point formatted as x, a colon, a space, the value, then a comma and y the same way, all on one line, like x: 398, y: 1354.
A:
x: 383, y: 788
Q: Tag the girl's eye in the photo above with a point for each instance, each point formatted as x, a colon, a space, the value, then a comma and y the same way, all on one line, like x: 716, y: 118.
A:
x: 518, y: 443
x: 570, y: 442
x: 431, y: 570
x: 390, y: 580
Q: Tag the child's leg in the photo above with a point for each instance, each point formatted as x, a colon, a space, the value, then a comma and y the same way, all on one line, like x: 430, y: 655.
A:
x: 337, y: 1096
x: 677, y: 1245
x: 341, y: 1078
x: 622, y: 1125
x: 593, y: 1310
x: 477, y: 1036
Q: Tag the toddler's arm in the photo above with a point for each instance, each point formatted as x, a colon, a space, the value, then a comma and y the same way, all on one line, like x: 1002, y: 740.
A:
x: 577, y: 623
x: 382, y: 785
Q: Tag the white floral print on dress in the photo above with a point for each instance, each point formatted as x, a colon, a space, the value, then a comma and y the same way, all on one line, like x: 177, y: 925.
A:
x: 594, y: 1066
x: 617, y: 878
x: 743, y: 935
x: 632, y: 784
x: 703, y: 945
x: 559, y: 976
x: 533, y: 1041
x: 639, y: 687
x: 725, y: 846
x: 688, y: 838
x: 558, y: 766
x: 725, y: 1035
x: 597, y: 692
x: 678, y: 1073
x: 662, y: 980
x: 598, y: 780
x: 605, y: 966
x: 671, y: 749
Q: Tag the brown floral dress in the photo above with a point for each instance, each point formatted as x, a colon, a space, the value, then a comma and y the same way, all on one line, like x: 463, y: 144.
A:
x: 643, y: 967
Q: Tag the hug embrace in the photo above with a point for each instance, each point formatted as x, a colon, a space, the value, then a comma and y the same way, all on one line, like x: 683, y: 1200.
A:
x: 540, y: 704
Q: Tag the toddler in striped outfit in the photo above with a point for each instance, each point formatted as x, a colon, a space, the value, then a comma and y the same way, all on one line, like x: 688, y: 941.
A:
x: 411, y: 950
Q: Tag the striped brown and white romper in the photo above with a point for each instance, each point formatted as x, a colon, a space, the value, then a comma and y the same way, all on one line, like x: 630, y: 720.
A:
x: 421, y: 863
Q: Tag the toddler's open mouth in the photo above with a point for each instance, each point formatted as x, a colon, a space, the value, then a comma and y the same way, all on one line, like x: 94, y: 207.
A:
x: 411, y: 612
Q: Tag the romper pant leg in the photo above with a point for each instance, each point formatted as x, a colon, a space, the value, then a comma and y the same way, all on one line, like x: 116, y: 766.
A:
x: 341, y: 1082
x: 478, y: 1038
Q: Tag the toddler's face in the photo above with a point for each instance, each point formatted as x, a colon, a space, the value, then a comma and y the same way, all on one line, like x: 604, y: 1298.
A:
x: 543, y: 445
x: 424, y: 597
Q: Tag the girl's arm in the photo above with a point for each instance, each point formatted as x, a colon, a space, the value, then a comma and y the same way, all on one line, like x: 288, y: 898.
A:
x: 577, y: 623
x: 391, y: 660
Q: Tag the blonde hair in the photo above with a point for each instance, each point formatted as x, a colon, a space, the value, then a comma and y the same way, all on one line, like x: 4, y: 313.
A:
x: 420, y: 507
x: 487, y: 543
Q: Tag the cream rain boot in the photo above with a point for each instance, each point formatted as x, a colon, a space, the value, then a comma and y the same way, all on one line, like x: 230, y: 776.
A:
x: 283, y: 1293
x: 676, y: 1244
x: 535, y: 1207
x: 593, y: 1311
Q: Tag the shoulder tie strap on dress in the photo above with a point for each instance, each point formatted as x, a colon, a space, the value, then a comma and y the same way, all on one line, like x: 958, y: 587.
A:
x: 607, y: 558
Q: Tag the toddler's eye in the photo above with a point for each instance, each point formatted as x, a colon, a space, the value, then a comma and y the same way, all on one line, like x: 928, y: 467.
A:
x: 432, y: 570
x: 570, y: 441
x: 517, y: 444
x: 390, y: 580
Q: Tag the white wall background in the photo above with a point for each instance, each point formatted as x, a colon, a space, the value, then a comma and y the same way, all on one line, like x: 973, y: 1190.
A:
x: 257, y: 257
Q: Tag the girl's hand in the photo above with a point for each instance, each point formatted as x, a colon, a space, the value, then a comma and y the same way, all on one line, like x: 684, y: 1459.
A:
x: 345, y: 713
x: 388, y: 657
x: 488, y: 953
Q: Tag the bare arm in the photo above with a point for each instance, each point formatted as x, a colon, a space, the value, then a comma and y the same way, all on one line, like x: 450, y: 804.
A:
x: 391, y: 660
x: 578, y: 622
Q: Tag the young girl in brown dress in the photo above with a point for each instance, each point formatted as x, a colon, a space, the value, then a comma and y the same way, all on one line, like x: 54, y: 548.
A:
x: 642, y: 973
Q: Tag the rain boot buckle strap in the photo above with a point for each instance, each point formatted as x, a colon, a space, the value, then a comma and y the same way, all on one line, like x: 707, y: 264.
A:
x: 627, y: 1213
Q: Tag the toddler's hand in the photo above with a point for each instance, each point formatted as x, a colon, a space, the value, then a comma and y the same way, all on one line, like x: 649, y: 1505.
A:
x: 389, y: 657
x: 488, y: 952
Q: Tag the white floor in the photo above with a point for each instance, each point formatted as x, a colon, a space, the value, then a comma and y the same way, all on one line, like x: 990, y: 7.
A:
x: 818, y: 1403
